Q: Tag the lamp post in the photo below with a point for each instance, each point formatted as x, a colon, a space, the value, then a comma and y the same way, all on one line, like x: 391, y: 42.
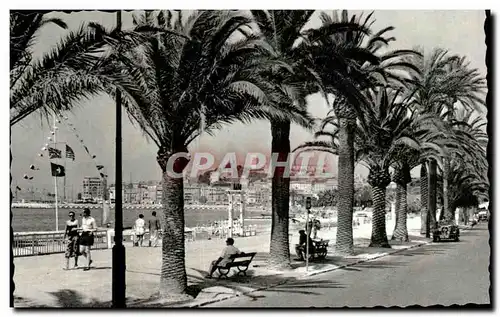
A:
x: 308, y: 208
x: 119, y: 267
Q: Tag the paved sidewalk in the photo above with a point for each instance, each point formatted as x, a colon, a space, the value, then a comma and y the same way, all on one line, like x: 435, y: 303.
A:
x: 40, y: 280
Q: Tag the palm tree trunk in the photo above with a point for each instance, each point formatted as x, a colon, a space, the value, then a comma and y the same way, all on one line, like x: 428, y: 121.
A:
x: 432, y: 199
x: 173, y: 278
x: 400, y: 230
x: 344, y: 244
x: 379, y: 234
x: 424, y: 194
x: 280, y: 246
x: 445, y: 209
x: 379, y: 179
x: 402, y: 177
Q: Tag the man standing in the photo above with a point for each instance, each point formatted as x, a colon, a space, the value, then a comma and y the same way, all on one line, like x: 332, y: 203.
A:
x: 87, y: 239
x: 154, y: 226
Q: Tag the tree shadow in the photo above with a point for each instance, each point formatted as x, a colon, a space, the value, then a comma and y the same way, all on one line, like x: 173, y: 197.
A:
x: 472, y: 233
x: 65, y: 298
x: 381, y: 264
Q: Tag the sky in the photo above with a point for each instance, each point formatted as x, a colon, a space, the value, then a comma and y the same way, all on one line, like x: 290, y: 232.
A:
x: 461, y: 32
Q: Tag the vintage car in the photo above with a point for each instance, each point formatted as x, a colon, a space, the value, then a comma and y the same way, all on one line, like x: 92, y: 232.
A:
x: 446, y: 231
x: 482, y: 215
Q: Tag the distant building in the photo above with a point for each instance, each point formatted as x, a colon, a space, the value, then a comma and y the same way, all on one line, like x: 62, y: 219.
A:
x: 192, y: 194
x: 94, y: 188
x: 301, y: 186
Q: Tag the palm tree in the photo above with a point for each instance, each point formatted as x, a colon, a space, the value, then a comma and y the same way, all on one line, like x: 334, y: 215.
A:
x: 60, y: 77
x: 53, y: 82
x: 432, y: 140
x: 469, y: 162
x: 347, y: 63
x: 386, y: 129
x: 191, y: 75
x: 424, y: 197
x: 444, y: 80
x: 281, y: 29
x: 466, y: 86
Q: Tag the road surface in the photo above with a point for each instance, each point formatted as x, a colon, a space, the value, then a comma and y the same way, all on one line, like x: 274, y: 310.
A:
x: 443, y: 273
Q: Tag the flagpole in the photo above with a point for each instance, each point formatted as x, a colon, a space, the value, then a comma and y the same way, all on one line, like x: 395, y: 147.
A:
x: 55, y: 177
x: 64, y: 188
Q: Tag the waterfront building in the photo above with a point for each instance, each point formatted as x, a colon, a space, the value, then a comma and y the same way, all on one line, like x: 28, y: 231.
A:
x: 94, y: 188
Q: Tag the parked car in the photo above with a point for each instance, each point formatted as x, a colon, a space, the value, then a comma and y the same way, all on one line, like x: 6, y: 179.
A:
x: 482, y: 215
x: 446, y: 231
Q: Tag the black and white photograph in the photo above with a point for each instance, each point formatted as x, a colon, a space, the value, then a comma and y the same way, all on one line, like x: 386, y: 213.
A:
x: 263, y: 158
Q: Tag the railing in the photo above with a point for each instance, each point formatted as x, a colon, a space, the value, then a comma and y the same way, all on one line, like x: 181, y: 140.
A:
x: 39, y: 243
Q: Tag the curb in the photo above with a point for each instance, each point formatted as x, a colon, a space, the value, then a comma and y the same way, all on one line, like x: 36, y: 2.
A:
x: 365, y: 260
x: 216, y: 300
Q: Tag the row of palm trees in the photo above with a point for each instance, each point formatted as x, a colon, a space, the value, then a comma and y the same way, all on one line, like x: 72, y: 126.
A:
x: 183, y: 75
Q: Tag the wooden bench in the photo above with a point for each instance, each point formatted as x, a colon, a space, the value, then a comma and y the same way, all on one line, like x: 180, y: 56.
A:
x: 320, y: 249
x: 241, y: 261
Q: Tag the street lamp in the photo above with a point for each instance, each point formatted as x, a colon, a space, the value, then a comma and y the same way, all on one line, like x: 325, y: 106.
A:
x: 118, y: 266
x: 308, y: 208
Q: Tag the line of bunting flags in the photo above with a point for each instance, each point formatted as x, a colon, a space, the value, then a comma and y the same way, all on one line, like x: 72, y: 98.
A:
x: 58, y: 170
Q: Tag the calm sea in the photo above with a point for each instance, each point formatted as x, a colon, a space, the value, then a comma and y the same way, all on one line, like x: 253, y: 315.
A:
x: 33, y: 219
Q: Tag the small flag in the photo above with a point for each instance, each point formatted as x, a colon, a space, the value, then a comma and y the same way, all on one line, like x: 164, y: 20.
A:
x: 54, y: 153
x: 69, y: 153
x: 57, y: 170
x: 99, y: 167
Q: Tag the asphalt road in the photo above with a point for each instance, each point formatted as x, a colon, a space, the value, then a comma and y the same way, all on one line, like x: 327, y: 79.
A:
x: 443, y: 273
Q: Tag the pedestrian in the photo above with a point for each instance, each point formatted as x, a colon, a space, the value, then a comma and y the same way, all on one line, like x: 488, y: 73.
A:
x: 229, y: 250
x: 154, y: 227
x: 139, y: 230
x: 71, y: 238
x: 87, y: 238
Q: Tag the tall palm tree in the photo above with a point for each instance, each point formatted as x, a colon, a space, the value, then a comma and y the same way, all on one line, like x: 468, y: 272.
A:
x: 347, y: 63
x: 468, y: 131
x: 444, y: 80
x: 432, y: 140
x: 281, y: 29
x: 386, y: 129
x: 177, y: 87
x: 465, y: 86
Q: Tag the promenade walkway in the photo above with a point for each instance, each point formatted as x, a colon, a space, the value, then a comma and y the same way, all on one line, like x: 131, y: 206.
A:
x: 40, y: 280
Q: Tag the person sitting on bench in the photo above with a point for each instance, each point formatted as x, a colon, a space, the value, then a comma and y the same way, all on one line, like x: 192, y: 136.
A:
x: 300, y: 248
x: 229, y: 250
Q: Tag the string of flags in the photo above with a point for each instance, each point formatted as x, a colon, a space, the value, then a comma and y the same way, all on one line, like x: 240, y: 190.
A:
x: 93, y: 157
x: 58, y: 170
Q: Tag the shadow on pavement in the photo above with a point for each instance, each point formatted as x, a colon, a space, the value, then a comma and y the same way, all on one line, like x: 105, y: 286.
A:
x: 64, y: 298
